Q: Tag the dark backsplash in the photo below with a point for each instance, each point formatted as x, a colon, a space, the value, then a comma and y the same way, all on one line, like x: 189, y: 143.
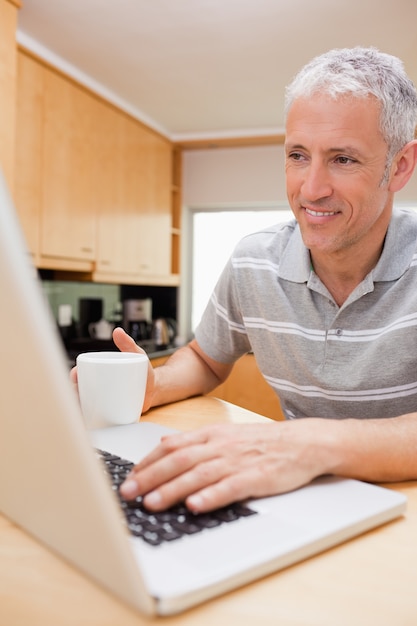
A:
x: 164, y: 299
x: 164, y: 304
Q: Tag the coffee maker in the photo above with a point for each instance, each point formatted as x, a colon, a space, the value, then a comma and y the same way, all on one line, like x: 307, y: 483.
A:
x: 137, y: 318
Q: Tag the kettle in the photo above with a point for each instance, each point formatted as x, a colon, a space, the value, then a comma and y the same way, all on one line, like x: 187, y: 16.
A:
x: 101, y: 329
x: 163, y: 332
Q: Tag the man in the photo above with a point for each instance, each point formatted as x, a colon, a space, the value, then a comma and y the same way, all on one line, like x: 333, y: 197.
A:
x: 327, y: 303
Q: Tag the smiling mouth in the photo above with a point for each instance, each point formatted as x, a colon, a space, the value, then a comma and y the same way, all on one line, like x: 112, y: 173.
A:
x: 320, y: 213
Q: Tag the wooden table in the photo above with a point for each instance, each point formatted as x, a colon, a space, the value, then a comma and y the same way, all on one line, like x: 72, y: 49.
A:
x: 370, y: 580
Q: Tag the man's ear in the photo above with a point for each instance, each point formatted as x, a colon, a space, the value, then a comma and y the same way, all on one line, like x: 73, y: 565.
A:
x: 403, y: 166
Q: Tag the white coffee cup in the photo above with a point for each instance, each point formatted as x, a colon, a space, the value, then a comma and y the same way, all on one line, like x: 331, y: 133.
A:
x: 111, y: 387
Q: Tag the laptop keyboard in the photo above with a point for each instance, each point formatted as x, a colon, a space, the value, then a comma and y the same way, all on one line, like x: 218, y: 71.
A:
x: 168, y: 525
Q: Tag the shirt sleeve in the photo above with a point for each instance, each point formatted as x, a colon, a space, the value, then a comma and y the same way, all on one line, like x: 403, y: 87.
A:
x: 221, y: 332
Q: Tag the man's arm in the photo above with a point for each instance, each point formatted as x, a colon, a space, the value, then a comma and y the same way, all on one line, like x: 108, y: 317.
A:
x: 376, y: 450
x: 188, y: 372
x: 213, y: 466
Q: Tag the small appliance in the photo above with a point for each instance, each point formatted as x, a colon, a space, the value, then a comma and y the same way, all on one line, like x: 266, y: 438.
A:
x: 137, y: 318
x: 163, y: 333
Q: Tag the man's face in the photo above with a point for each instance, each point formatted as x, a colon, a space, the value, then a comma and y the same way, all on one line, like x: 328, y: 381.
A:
x: 335, y: 162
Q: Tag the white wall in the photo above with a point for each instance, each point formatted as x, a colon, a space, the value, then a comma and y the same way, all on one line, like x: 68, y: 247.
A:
x: 244, y: 175
x: 233, y: 175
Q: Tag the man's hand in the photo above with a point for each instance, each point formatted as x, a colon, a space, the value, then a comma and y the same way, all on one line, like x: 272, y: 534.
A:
x: 125, y: 343
x: 215, y: 465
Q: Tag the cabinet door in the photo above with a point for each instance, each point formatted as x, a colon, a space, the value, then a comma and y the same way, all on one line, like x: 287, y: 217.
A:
x: 133, y: 196
x: 29, y: 114
x: 68, y: 208
x: 155, y: 207
x: 8, y: 21
x: 118, y: 225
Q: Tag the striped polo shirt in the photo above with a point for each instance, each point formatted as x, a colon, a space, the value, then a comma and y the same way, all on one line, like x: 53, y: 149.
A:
x: 358, y: 360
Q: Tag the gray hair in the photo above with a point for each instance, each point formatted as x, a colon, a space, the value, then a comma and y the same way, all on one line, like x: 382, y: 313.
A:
x: 361, y: 72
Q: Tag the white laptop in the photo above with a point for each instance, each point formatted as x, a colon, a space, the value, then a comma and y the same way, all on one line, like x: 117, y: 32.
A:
x: 53, y: 485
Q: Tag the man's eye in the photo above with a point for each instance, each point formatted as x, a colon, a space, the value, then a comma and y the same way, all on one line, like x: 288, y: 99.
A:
x: 295, y: 156
x: 344, y: 160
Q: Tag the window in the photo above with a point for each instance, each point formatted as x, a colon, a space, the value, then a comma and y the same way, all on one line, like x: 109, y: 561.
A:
x: 211, y: 235
x: 214, y: 234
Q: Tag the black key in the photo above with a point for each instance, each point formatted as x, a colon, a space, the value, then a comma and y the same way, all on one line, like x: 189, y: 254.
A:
x: 156, y: 528
x: 122, y: 462
x: 170, y: 536
x: 152, y: 538
x: 243, y: 510
x: 206, y: 520
x: 186, y: 527
x: 226, y: 515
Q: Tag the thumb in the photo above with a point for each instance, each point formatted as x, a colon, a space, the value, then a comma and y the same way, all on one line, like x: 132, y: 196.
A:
x: 124, y: 342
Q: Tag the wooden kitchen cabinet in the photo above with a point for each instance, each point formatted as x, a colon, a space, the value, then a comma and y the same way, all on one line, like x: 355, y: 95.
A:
x: 134, y: 214
x: 93, y: 185
x: 155, y: 209
x: 68, y: 171
x: 117, y: 219
x: 54, y: 183
x: 29, y: 130
x: 176, y: 203
x: 8, y: 21
x: 159, y: 360
x: 247, y: 388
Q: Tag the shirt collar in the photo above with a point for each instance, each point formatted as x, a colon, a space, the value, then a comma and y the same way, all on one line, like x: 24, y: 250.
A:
x: 397, y: 254
x: 295, y: 264
x: 399, y: 246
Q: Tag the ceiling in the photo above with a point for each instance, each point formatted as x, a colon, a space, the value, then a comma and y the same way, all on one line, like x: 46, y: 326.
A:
x: 207, y: 68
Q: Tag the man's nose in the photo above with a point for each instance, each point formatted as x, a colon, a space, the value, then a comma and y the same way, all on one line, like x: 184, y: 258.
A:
x: 316, y: 183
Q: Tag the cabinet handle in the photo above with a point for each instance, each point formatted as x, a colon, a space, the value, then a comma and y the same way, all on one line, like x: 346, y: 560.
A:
x: 85, y: 249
